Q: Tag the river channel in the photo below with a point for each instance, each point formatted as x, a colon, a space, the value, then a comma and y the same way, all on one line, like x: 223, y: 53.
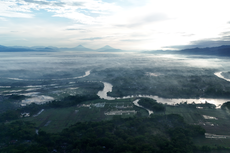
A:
x: 218, y: 102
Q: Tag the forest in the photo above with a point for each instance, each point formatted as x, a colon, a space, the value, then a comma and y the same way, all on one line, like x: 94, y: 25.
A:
x: 152, y: 104
x: 157, y: 133
x: 160, y: 133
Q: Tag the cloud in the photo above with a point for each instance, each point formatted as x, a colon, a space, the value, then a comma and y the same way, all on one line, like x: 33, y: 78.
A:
x: 60, y: 4
x: 83, y: 11
x: 149, y: 19
x: 77, y: 3
x: 144, y: 19
x: 188, y: 35
x: 16, y: 14
x: 10, y: 9
x: 46, y: 3
x: 135, y: 40
x: 54, y: 3
x: 154, y: 17
x: 3, y: 19
x: 211, y: 43
x: 226, y: 38
x: 74, y: 29
x: 131, y: 40
x: 37, y: 2
x: 225, y: 33
x: 201, y: 44
x: 93, y: 38
x: 147, y: 24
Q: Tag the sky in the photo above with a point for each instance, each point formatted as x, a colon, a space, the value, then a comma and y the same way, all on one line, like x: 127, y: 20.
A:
x: 123, y: 24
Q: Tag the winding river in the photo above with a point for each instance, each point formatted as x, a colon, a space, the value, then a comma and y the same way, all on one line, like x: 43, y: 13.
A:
x: 108, y: 88
x: 135, y: 102
x: 219, y: 74
x: 87, y: 73
x: 218, y: 102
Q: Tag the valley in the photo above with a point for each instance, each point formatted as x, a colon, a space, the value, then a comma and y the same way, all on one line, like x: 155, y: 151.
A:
x: 47, y: 92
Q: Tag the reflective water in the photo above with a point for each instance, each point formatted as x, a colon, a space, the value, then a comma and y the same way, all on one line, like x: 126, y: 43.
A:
x: 135, y: 102
x: 108, y: 88
x: 87, y: 73
x: 103, y: 93
x: 219, y: 74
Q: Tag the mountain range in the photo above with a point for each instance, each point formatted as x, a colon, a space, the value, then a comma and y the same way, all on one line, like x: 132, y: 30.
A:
x: 55, y: 49
x: 217, y: 51
x: 213, y: 51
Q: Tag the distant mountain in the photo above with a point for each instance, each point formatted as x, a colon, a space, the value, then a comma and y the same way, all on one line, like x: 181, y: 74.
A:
x: 2, y: 47
x: 41, y: 49
x: 26, y: 49
x: 218, y: 51
x: 78, y: 48
x: 44, y: 48
x: 107, y: 48
x: 215, y: 51
x: 54, y: 49
x: 82, y: 48
x: 14, y: 49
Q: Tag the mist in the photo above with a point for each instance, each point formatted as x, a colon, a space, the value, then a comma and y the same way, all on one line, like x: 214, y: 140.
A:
x: 42, y: 77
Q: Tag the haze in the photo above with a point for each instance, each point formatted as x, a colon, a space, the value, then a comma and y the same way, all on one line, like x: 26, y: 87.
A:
x: 124, y: 76
x: 125, y: 24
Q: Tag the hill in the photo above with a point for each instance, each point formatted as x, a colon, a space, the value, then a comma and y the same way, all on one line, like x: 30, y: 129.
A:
x: 108, y: 48
x: 54, y: 49
x: 27, y: 49
x: 218, y: 51
x: 78, y: 48
x: 213, y: 51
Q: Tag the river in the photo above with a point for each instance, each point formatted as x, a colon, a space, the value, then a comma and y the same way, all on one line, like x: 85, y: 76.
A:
x: 219, y: 74
x: 40, y: 99
x: 135, y: 102
x: 87, y: 73
x: 218, y: 102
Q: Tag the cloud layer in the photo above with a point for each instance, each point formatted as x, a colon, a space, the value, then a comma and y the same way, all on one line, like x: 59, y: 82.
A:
x: 129, y: 24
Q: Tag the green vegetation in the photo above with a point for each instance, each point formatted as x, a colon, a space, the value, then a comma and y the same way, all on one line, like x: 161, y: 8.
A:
x: 216, y: 121
x: 12, y: 98
x: 9, y: 102
x: 78, y: 121
x: 226, y: 105
x: 167, y: 82
x: 83, y: 126
x: 17, y: 97
x: 16, y: 131
x: 156, y: 134
x: 56, y: 119
x: 35, y: 108
x: 152, y: 104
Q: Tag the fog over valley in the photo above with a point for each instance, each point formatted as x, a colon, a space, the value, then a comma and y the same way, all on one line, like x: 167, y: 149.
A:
x: 106, y: 76
x: 131, y: 74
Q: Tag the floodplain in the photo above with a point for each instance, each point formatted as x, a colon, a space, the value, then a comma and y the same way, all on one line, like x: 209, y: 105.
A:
x: 192, y: 86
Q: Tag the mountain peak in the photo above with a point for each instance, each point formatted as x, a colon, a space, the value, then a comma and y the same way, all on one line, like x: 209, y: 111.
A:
x: 80, y: 46
x: 107, y: 47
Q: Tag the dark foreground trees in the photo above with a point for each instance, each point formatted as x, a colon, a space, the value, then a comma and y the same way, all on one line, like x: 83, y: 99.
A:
x: 152, y: 104
x: 156, y: 134
x: 226, y: 105
x: 35, y: 108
